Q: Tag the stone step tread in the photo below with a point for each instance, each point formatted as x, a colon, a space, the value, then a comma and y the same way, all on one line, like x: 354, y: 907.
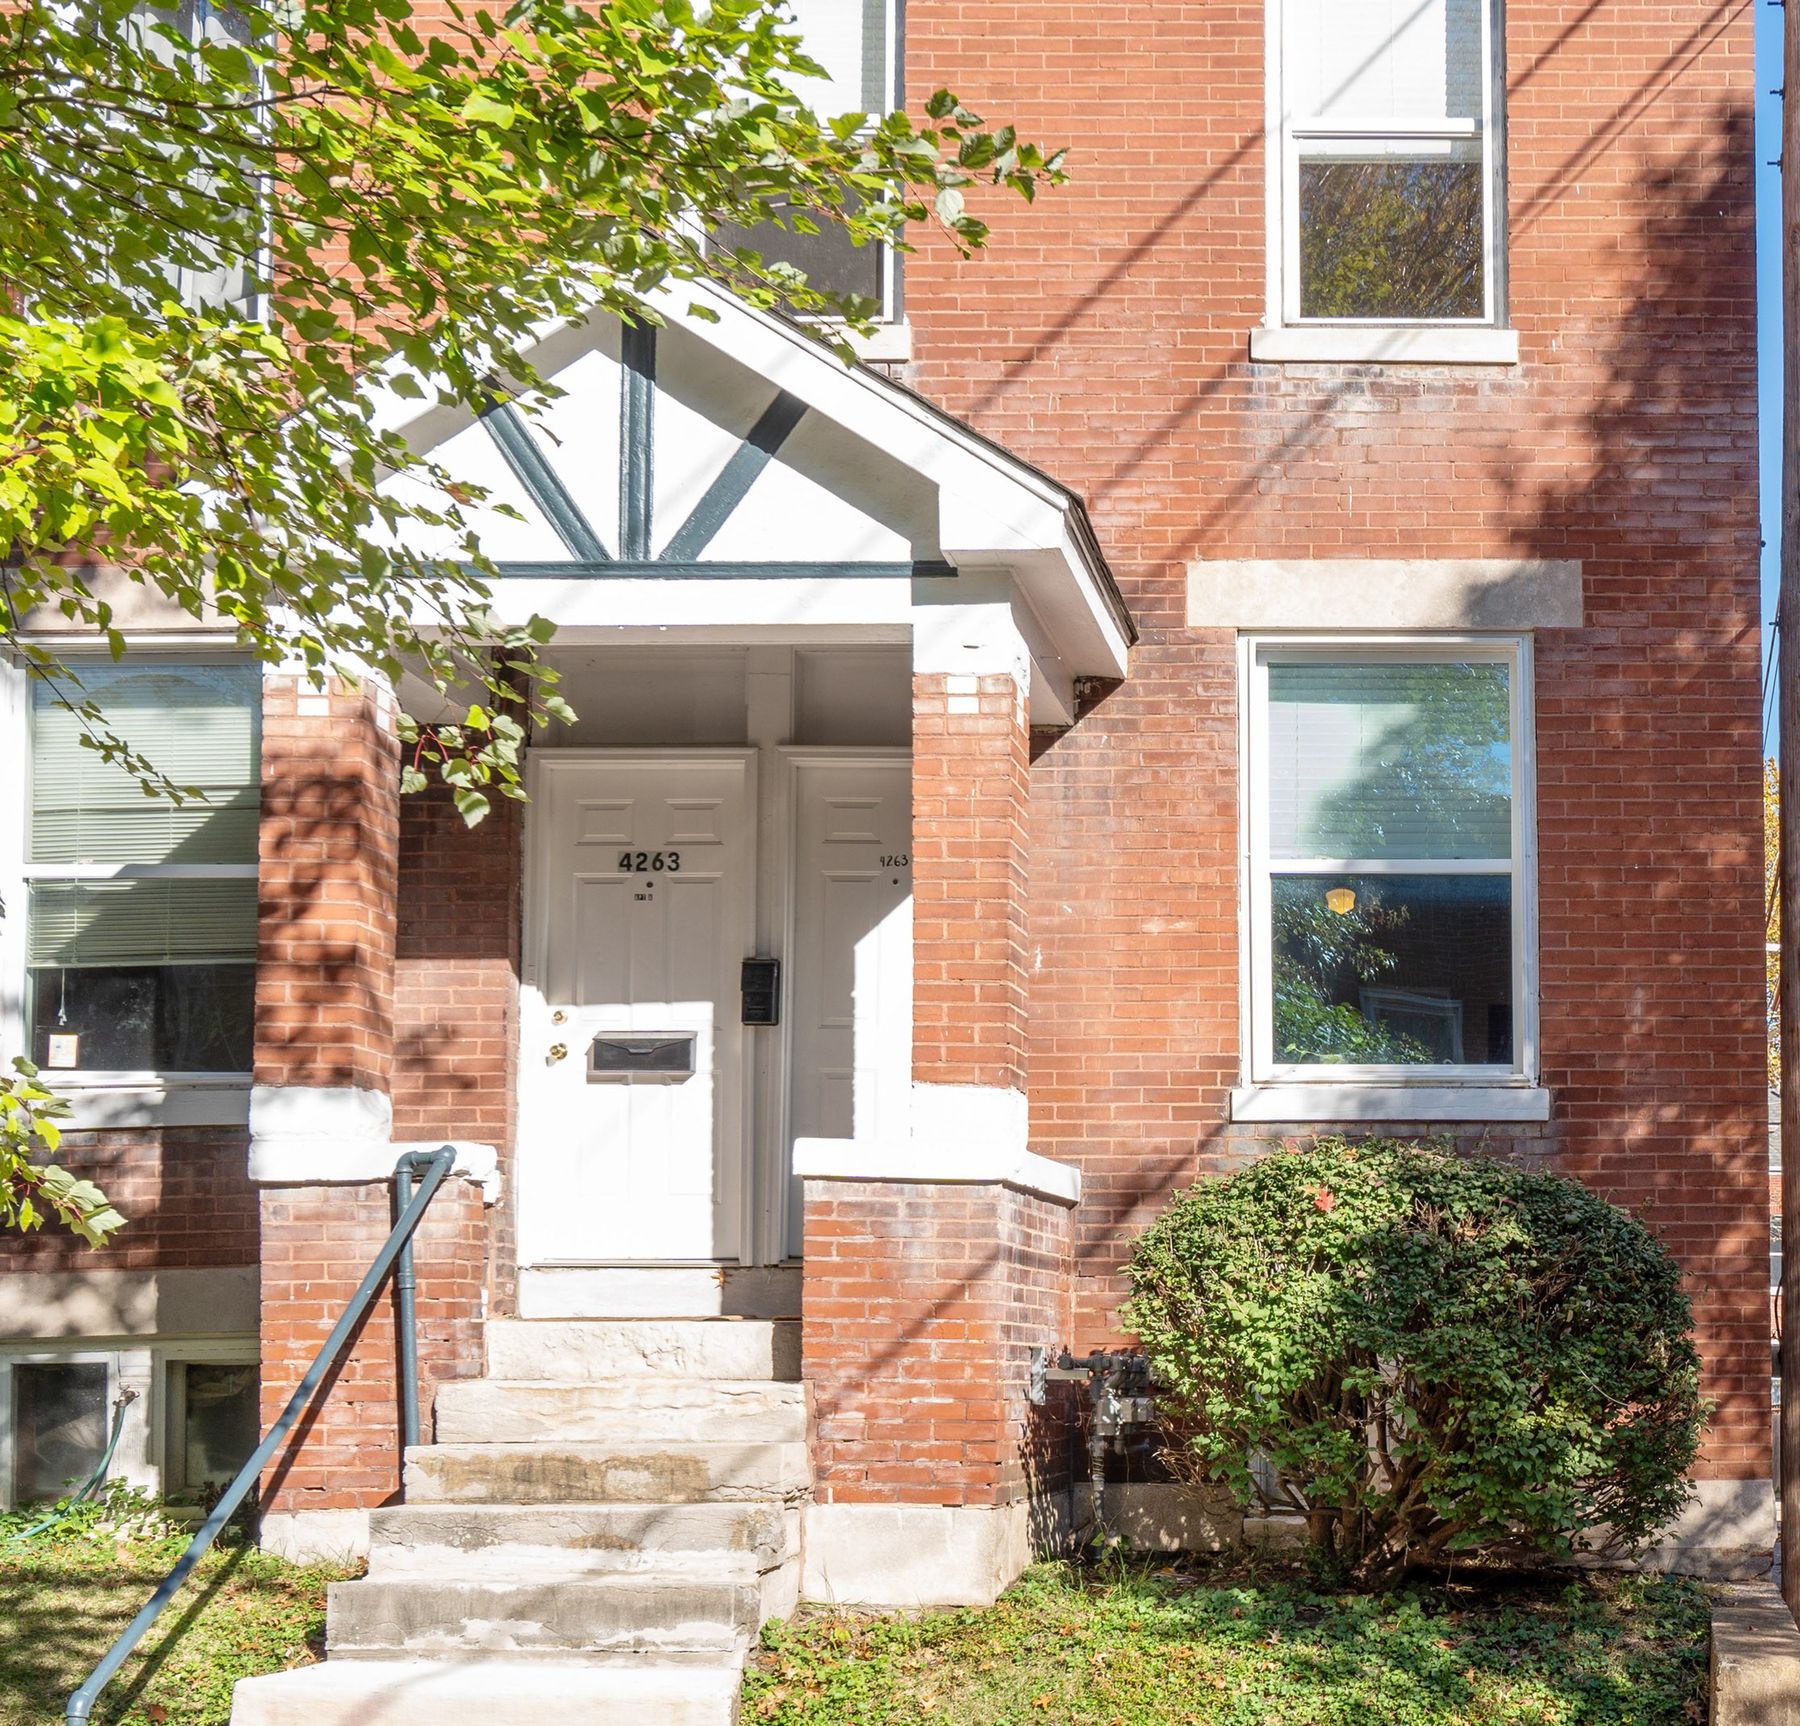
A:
x: 641, y: 1390
x: 649, y: 1612
x: 497, y: 1411
x: 574, y: 1538
x: 491, y: 1693
x: 574, y: 1350
x: 651, y: 1472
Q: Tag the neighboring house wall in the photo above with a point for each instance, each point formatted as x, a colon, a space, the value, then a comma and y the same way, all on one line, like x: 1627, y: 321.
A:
x: 1105, y: 335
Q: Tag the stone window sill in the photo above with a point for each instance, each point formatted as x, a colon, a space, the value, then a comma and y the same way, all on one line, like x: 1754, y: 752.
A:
x: 148, y: 1101
x: 1320, y: 1104
x: 1358, y: 344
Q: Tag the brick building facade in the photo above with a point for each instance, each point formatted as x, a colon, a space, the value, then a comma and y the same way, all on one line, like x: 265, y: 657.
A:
x: 974, y: 705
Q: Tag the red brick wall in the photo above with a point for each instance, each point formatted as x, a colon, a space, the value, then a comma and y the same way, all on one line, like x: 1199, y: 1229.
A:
x: 969, y: 882
x: 1104, y: 337
x: 922, y: 1305
x: 184, y: 1192
x: 456, y: 988
x: 317, y: 1243
x: 325, y: 937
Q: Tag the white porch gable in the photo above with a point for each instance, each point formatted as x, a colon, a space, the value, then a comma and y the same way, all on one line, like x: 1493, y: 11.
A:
x: 734, y: 475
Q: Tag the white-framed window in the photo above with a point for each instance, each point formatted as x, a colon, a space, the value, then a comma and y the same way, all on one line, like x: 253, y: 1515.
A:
x: 56, y: 1412
x: 139, y: 913
x: 858, y: 44
x: 1389, y: 862
x: 218, y: 276
x: 185, y: 1410
x: 1386, y: 121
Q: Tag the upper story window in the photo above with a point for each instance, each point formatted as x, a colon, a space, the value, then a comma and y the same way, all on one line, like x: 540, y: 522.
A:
x: 1386, y: 171
x: 141, y: 911
x: 1390, y: 883
x: 217, y: 270
x: 856, y: 41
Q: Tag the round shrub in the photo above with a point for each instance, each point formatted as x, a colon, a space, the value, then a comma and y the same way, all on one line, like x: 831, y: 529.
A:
x: 1421, y: 1354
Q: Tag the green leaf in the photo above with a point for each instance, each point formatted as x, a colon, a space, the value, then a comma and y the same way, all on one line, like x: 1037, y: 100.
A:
x: 485, y: 110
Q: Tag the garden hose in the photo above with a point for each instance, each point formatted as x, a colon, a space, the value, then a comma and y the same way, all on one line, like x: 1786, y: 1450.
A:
x: 89, y: 1487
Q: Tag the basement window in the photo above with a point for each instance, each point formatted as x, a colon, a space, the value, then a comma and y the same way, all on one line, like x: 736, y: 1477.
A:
x: 1389, y: 869
x: 187, y: 1410
x: 214, y: 1422
x: 59, y: 1426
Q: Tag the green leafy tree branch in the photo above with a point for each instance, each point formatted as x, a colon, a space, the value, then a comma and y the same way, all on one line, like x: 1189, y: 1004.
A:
x: 221, y: 221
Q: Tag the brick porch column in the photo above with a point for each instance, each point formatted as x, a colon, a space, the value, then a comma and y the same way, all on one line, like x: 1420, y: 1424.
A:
x: 321, y: 1115
x: 935, y: 1264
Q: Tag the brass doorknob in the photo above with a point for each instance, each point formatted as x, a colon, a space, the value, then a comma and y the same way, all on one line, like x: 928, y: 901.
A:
x: 557, y: 1052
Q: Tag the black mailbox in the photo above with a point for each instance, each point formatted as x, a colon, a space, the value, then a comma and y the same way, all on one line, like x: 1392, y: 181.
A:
x: 761, y: 986
x: 624, y: 1057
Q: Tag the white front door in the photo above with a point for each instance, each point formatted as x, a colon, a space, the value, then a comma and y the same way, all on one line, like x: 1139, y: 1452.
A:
x: 641, y: 899
x: 852, y: 955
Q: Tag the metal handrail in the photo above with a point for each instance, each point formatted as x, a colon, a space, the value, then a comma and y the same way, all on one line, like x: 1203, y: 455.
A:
x: 432, y: 1167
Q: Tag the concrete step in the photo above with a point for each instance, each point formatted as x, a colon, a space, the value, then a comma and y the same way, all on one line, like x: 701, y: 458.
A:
x: 577, y: 1351
x: 627, y: 1410
x: 558, y: 1540
x: 624, y: 1617
x: 671, y: 1472
x: 490, y: 1693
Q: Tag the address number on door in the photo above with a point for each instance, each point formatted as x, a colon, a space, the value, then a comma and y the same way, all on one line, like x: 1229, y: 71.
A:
x: 650, y: 862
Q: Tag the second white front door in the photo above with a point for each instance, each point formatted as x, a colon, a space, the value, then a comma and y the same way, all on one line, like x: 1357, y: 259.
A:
x: 632, y: 1082
x: 851, y: 1037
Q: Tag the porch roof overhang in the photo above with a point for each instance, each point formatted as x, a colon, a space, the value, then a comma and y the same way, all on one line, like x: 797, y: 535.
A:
x: 729, y: 447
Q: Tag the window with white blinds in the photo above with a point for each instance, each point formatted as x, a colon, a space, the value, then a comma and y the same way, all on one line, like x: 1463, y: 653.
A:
x: 1389, y: 156
x: 141, y: 917
x: 854, y: 41
x: 1390, y: 893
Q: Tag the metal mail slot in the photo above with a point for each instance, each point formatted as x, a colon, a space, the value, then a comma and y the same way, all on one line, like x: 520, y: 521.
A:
x: 623, y: 1058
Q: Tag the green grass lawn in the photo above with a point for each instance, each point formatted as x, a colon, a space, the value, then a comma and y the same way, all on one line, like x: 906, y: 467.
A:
x: 65, y: 1595
x: 1213, y: 1647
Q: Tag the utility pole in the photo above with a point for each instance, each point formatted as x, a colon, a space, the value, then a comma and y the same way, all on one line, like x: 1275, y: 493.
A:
x: 1787, y: 616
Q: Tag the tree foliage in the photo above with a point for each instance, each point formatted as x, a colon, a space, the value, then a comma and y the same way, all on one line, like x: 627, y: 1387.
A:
x: 1392, y: 239
x: 1420, y: 1354
x: 384, y: 199
x: 221, y: 218
x: 31, y: 1124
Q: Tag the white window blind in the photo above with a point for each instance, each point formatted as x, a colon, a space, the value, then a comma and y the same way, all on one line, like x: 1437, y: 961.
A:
x: 198, y: 724
x: 142, y: 922
x: 1382, y: 60
x: 1389, y: 761
x: 849, y: 38
x: 141, y: 914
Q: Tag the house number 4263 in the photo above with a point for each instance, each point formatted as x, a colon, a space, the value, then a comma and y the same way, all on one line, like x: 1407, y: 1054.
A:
x: 648, y: 862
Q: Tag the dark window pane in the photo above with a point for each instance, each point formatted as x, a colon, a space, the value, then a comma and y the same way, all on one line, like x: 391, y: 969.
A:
x: 59, y: 1427
x: 143, y: 1018
x: 1414, y: 970
x: 1390, y: 239
x: 827, y: 258
x: 221, y: 1422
